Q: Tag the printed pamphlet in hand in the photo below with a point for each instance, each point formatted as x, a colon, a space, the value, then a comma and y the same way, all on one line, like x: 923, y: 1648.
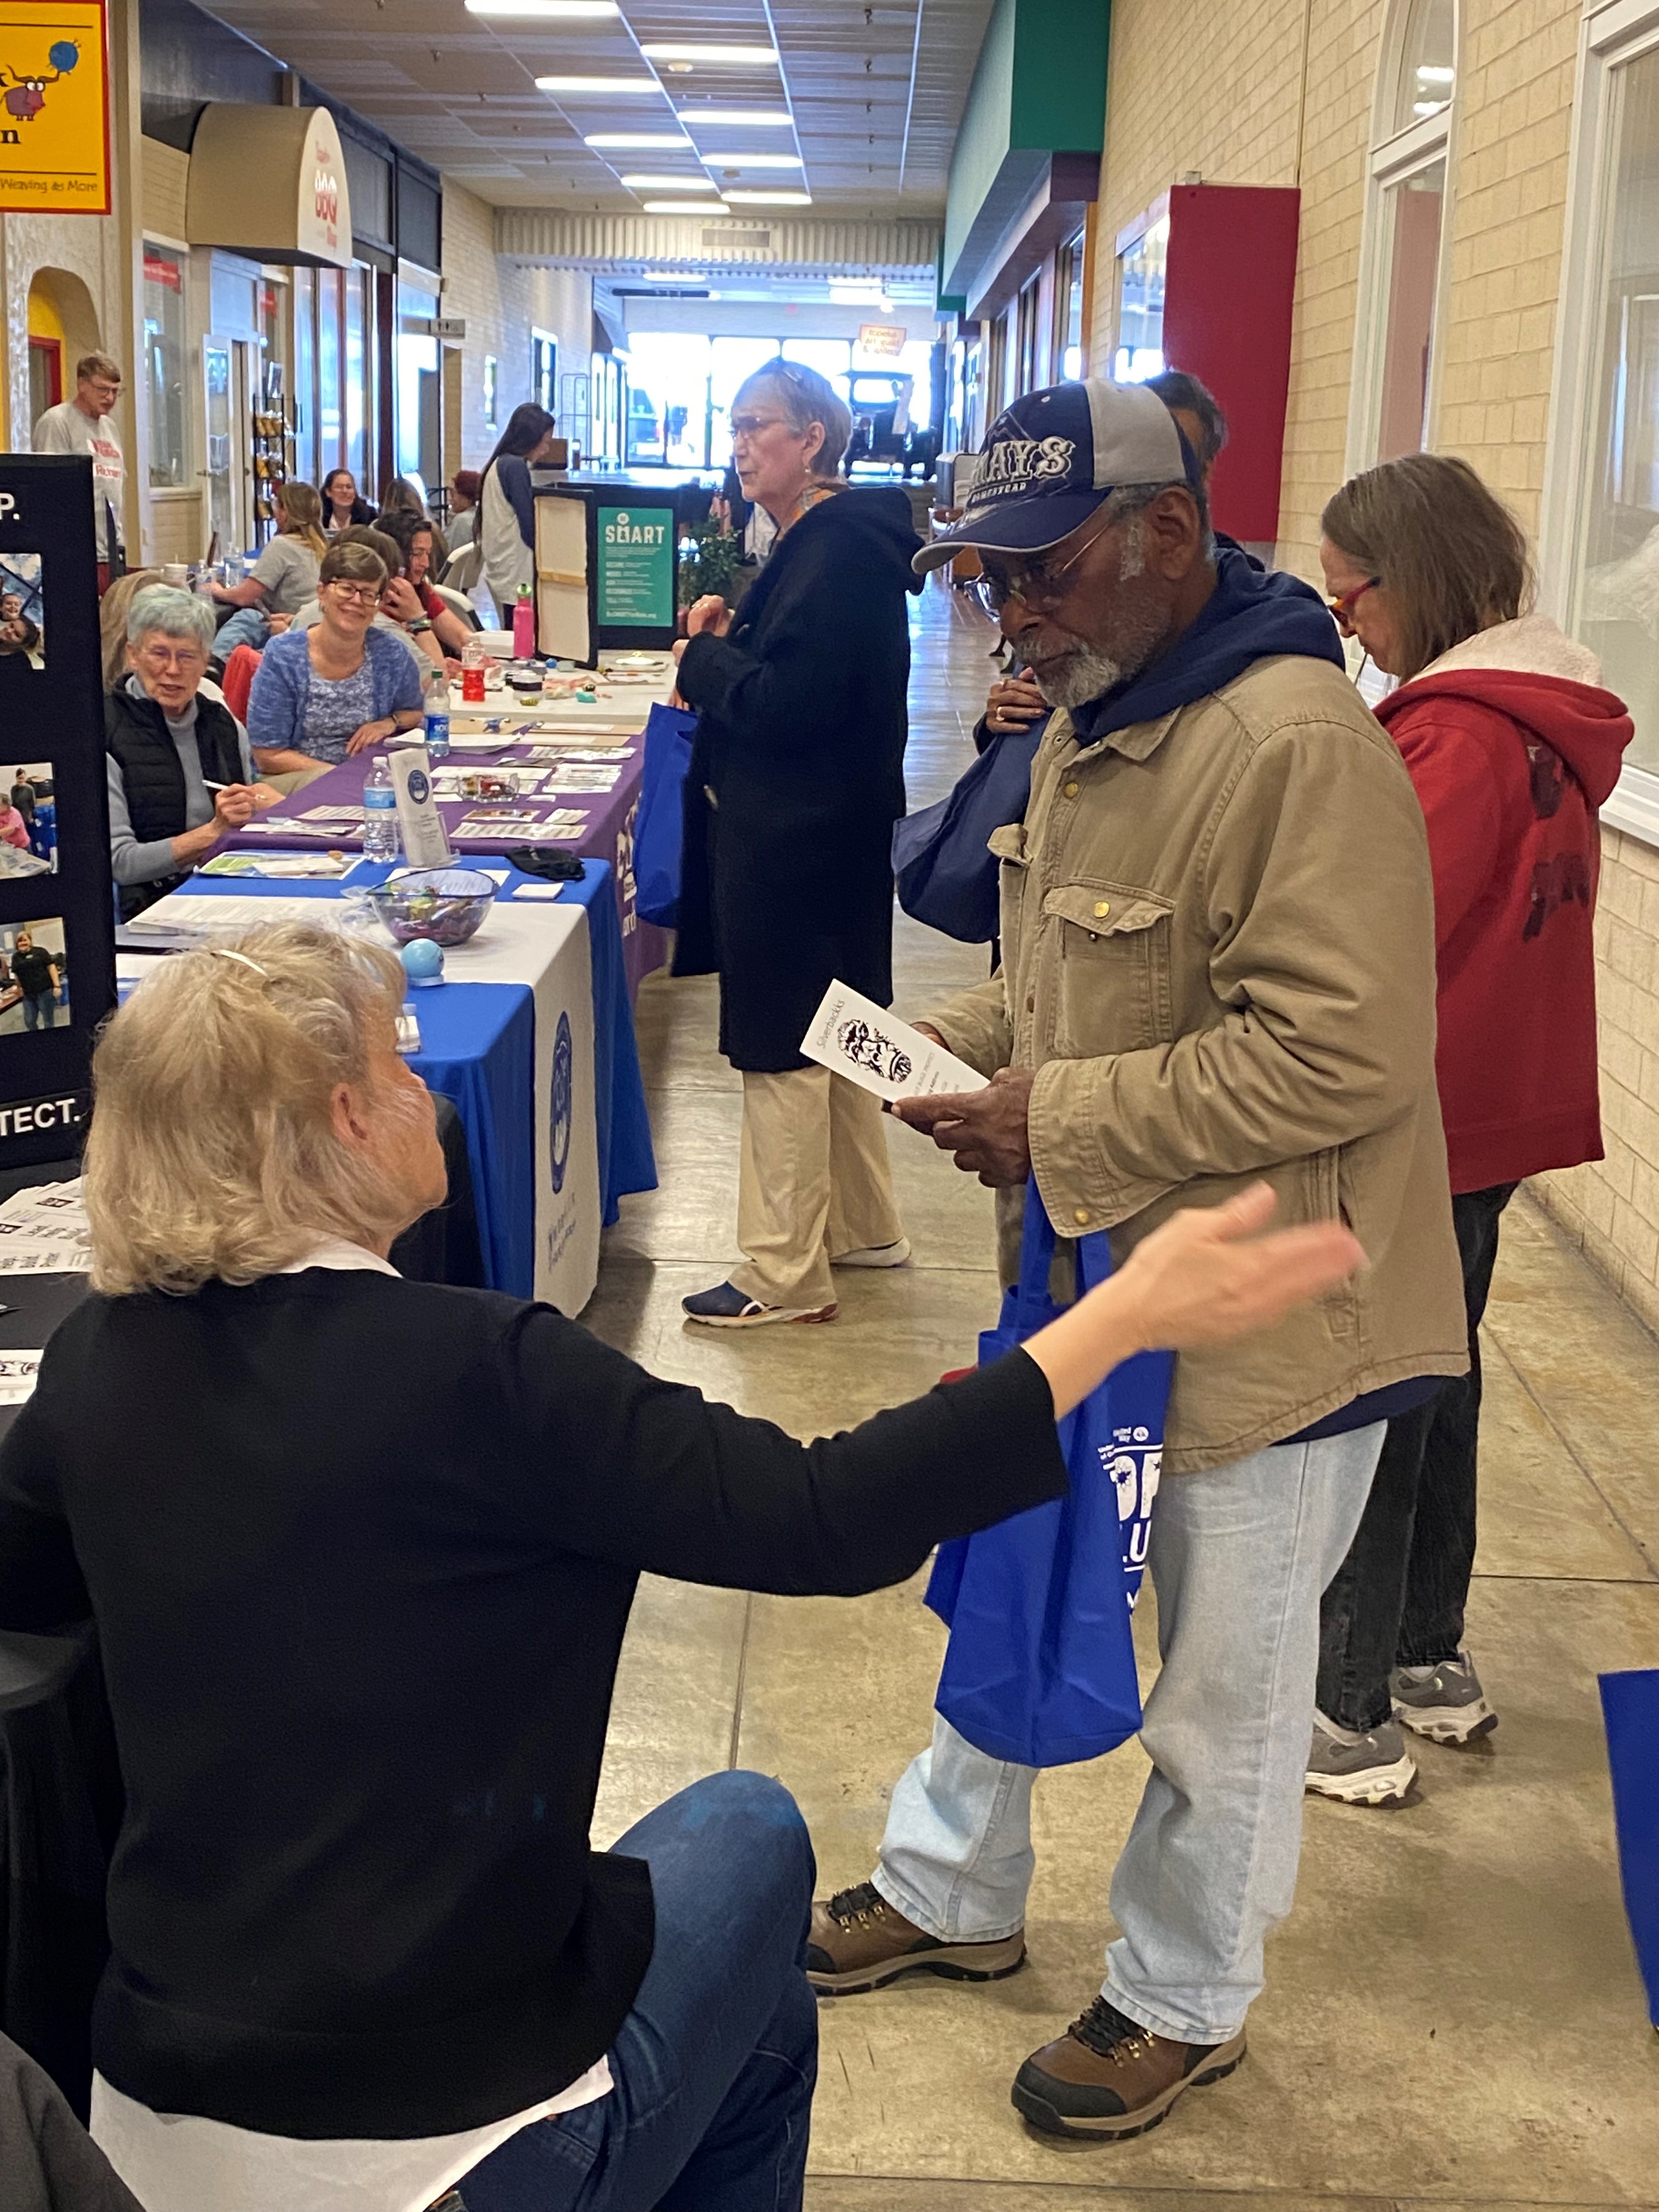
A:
x: 851, y: 1035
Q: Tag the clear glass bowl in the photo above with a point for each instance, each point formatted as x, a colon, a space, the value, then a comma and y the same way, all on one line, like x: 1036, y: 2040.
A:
x: 445, y: 904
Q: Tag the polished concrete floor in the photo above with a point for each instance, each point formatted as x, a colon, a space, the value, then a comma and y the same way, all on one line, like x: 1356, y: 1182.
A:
x: 1453, y: 2013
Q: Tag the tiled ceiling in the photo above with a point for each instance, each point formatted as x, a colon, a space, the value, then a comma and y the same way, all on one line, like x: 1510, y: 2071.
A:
x: 875, y: 92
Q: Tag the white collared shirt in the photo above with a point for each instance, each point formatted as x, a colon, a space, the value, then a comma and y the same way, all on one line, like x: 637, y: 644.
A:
x: 178, y: 2162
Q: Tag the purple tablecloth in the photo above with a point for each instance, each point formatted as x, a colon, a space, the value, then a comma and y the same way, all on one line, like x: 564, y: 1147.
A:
x: 607, y: 835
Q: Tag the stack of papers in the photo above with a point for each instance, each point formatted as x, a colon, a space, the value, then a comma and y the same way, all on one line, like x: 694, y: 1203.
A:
x: 43, y: 1231
x: 17, y: 1372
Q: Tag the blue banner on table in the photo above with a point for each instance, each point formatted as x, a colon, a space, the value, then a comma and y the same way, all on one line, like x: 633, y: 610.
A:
x: 661, y: 828
x: 1629, y: 1707
x: 1040, y: 1667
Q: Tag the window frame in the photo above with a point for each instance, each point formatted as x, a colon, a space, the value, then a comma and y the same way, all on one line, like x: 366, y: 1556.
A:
x: 1610, y: 35
x: 1395, y: 154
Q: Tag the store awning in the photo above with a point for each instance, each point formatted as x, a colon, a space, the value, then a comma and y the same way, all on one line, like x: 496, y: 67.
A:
x: 269, y: 182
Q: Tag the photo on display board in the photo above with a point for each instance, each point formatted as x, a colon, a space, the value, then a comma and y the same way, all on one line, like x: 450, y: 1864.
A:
x: 28, y: 819
x: 22, y: 615
x: 33, y: 976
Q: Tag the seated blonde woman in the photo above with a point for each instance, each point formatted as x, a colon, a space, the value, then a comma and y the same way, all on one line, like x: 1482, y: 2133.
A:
x: 361, y: 1609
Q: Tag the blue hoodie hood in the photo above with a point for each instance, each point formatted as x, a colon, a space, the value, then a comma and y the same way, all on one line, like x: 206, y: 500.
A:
x: 1250, y: 614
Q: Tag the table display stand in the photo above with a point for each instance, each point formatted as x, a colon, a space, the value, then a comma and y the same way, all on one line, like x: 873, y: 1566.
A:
x: 606, y: 561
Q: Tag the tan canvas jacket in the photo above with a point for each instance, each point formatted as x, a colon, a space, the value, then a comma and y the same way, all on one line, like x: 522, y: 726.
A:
x: 1217, y: 947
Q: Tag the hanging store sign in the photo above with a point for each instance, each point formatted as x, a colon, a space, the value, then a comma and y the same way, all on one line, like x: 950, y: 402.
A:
x: 269, y: 182
x: 885, y: 340
x: 54, y: 107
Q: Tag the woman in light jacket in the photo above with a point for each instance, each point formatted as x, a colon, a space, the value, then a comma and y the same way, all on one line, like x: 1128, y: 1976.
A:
x: 507, y: 509
x: 1512, y: 746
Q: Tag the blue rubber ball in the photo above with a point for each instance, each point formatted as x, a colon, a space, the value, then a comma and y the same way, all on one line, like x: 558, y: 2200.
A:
x: 423, y: 959
x: 65, y: 55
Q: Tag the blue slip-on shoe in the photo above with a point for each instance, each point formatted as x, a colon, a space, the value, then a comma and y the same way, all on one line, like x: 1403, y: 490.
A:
x: 725, y: 1307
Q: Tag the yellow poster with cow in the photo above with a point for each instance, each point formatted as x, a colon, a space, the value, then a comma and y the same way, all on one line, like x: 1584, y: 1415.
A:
x: 54, y: 107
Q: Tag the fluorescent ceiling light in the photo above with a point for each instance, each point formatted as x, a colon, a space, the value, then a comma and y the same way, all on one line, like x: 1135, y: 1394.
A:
x: 671, y: 184
x: 673, y: 277
x: 616, y: 87
x: 639, y: 142
x: 770, y: 199
x: 762, y: 118
x: 730, y: 57
x: 566, y: 8
x: 754, y: 160
x: 683, y: 207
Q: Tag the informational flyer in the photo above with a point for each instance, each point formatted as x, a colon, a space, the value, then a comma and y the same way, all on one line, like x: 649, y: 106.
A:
x: 853, y: 1036
x: 636, y: 566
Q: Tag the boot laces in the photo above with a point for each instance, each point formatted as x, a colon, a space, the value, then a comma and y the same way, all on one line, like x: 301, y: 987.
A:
x: 1109, y: 2034
x: 864, y: 1901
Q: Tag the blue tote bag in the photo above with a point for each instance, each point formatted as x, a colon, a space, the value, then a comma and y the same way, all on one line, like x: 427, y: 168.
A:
x: 1040, y: 1669
x: 660, y: 825
x: 946, y: 877
x: 1629, y: 1707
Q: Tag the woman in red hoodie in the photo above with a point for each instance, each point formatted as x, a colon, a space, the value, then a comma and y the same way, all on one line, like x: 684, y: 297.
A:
x: 1512, y: 746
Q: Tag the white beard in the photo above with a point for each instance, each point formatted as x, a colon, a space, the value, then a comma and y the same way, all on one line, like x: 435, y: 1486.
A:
x: 1074, y: 679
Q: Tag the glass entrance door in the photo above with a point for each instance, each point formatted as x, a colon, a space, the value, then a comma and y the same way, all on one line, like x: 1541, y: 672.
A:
x: 219, y: 373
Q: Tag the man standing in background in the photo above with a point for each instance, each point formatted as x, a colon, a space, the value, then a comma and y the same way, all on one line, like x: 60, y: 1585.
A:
x: 84, y: 425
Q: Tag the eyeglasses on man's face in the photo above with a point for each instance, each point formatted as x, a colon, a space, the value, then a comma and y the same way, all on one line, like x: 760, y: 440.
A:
x: 1037, y: 584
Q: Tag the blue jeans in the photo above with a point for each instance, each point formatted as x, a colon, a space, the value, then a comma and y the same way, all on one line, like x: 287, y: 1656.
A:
x: 1238, y: 1558
x: 41, y: 1011
x: 714, y: 2069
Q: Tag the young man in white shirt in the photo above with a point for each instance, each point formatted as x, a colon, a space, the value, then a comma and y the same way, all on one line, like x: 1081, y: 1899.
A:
x: 85, y: 425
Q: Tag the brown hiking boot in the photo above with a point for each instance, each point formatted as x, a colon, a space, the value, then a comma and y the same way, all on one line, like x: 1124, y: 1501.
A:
x: 1108, y: 2077
x: 859, y: 1942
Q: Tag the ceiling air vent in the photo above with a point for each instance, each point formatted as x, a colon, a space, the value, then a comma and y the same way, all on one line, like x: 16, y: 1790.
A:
x: 730, y: 238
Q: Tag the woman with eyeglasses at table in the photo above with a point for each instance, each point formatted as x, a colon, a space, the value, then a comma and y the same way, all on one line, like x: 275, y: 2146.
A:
x: 1512, y: 746
x: 339, y: 687
x: 796, y: 782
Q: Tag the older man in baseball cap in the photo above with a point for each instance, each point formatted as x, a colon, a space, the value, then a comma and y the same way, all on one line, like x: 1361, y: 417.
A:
x: 1217, y: 943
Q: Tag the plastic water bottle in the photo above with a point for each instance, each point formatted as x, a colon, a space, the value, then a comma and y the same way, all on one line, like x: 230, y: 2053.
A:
x: 435, y: 697
x: 379, y: 813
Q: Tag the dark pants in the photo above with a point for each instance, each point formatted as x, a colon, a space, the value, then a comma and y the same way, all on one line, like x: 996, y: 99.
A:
x: 41, y: 1011
x: 1398, y: 1597
x: 714, y: 2069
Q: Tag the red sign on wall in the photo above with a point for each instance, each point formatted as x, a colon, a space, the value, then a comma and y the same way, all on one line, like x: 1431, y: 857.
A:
x: 159, y: 272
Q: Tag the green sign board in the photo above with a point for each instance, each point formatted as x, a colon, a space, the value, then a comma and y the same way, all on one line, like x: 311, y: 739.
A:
x: 636, y: 568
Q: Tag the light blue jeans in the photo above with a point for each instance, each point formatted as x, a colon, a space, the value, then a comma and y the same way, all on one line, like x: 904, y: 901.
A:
x: 1239, y: 1559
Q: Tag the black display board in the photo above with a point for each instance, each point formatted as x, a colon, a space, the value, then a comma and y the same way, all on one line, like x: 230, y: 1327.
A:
x: 607, y: 565
x: 52, y: 726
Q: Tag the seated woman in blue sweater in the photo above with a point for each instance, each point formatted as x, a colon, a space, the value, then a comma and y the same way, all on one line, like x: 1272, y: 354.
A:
x: 360, y: 1615
x: 334, y: 688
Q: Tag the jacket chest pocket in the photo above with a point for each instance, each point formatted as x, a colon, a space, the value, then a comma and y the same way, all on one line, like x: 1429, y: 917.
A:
x: 1108, y: 956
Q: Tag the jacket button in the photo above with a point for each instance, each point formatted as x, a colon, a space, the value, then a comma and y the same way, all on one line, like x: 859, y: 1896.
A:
x: 1081, y: 1217
x: 1102, y: 907
x: 1071, y: 790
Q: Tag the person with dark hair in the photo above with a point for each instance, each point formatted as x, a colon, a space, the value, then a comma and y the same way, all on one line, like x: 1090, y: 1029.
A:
x: 506, y: 508
x: 1513, y: 746
x: 463, y: 488
x: 1198, y: 415
x: 409, y: 598
x: 342, y: 508
x: 403, y: 497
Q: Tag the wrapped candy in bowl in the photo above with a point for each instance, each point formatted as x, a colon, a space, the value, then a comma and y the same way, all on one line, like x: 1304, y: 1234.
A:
x: 445, y: 904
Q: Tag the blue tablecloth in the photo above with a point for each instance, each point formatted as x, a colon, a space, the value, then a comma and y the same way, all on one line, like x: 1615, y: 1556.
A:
x: 477, y: 1046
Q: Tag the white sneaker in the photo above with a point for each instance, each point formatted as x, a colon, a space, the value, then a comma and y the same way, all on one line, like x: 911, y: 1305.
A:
x: 896, y: 1255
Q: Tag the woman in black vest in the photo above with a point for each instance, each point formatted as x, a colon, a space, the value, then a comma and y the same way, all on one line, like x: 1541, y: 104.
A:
x: 181, y: 775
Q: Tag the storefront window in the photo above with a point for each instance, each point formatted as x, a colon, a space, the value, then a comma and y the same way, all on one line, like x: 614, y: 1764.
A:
x: 164, y: 366
x: 1413, y: 212
x: 357, y: 456
x: 1615, y: 589
x: 305, y: 377
x: 1141, y: 273
x: 417, y: 384
x: 1069, y: 309
x: 329, y: 419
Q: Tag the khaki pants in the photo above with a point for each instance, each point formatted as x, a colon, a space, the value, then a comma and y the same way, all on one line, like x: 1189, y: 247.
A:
x: 812, y: 1182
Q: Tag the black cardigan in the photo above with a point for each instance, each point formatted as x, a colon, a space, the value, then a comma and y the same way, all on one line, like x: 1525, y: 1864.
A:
x: 361, y: 1553
x: 786, y: 883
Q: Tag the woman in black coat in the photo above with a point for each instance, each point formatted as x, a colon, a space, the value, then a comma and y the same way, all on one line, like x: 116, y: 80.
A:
x: 796, y: 782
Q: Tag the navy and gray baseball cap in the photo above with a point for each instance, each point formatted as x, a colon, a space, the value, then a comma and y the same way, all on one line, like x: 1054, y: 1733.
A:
x: 1052, y: 457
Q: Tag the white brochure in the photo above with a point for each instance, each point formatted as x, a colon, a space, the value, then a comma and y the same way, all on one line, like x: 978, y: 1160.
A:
x: 853, y: 1036
x: 420, y: 826
x: 17, y: 1372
